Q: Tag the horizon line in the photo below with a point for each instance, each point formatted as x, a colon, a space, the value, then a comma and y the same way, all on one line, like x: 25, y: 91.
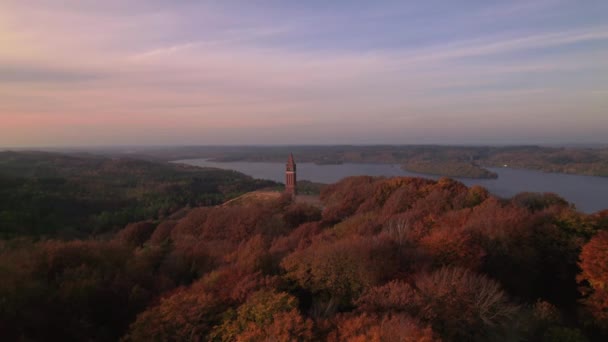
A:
x: 120, y: 146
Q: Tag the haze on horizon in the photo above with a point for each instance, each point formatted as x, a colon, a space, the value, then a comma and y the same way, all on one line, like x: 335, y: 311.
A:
x: 302, y: 72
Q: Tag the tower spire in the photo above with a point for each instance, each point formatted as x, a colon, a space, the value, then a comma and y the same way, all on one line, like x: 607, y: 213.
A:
x: 290, y: 176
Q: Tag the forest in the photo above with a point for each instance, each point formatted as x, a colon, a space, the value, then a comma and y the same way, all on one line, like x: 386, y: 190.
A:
x: 382, y: 259
x: 66, y: 196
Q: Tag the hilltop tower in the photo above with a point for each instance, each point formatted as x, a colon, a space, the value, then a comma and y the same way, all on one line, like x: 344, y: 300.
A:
x: 290, y: 176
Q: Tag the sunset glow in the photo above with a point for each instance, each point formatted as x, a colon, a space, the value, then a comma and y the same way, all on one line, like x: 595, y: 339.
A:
x: 286, y: 72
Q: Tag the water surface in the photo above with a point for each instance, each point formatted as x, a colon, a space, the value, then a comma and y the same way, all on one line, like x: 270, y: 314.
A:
x: 587, y: 193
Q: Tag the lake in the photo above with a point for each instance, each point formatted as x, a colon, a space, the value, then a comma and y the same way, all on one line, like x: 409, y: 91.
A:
x: 589, y: 194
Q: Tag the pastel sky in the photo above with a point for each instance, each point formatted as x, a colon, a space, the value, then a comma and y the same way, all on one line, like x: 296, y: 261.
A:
x: 137, y: 72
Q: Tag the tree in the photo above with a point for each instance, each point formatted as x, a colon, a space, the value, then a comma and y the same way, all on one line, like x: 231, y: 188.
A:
x: 594, y: 275
x: 266, y: 316
x: 299, y: 213
x: 162, y: 232
x: 457, y: 303
x: 341, y: 269
x: 395, y: 296
x: 68, y: 291
x: 449, y: 246
x: 380, y: 328
x: 251, y: 255
x: 462, y: 305
x: 344, y: 198
x: 186, y: 315
x: 536, y: 201
x: 135, y: 234
x: 299, y: 238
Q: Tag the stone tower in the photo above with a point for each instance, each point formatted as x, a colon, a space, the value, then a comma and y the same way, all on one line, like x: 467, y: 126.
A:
x: 290, y: 176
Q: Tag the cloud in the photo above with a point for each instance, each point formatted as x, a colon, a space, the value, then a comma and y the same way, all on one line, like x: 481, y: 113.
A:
x: 201, y: 66
x: 503, y: 46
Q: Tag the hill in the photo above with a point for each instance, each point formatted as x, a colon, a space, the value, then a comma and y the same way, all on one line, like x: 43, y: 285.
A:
x: 399, y: 258
x: 51, y: 194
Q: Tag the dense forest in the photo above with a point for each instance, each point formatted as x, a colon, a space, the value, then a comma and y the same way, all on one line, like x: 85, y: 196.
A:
x: 450, y: 161
x: 400, y: 259
x: 57, y: 195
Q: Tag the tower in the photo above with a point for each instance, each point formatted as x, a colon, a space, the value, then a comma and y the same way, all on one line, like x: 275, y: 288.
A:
x: 290, y: 176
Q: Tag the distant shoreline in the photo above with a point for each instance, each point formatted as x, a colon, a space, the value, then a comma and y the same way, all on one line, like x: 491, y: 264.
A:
x: 450, y: 161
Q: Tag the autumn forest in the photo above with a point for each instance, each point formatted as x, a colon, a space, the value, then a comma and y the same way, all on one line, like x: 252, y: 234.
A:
x: 106, y: 249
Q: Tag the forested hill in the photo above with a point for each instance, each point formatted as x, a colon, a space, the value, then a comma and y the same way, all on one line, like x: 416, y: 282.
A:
x: 402, y: 259
x: 58, y: 195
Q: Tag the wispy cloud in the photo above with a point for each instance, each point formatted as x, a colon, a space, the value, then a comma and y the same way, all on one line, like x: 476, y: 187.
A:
x: 503, y: 45
x: 228, y: 37
x: 205, y: 65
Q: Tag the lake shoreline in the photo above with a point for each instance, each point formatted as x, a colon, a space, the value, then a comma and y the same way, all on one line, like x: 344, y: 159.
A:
x: 587, y: 193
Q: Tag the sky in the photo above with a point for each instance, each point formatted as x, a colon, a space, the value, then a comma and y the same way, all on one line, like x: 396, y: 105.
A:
x: 169, y: 72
